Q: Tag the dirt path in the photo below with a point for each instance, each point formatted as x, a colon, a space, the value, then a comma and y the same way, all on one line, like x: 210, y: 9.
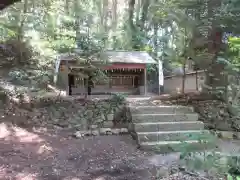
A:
x: 26, y: 155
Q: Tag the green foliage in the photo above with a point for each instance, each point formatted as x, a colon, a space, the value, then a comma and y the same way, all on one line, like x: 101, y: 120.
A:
x: 234, y: 52
x: 216, y: 164
x: 118, y: 98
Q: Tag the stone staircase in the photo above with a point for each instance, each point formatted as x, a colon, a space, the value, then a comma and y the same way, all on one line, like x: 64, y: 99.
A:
x: 169, y: 128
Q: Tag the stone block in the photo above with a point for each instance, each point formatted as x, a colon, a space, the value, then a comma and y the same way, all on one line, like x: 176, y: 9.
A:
x: 164, y: 117
x: 110, y: 117
x: 95, y: 132
x: 116, y: 131
x: 169, y: 126
x: 104, y: 131
x: 124, y: 130
x: 94, y: 126
x: 108, y: 124
x: 81, y: 134
x: 88, y: 113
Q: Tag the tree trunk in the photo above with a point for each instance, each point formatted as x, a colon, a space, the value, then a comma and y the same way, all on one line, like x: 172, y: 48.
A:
x: 131, y: 4
x: 114, y: 22
x: 214, y: 77
x: 77, y: 21
x: 67, y: 6
x: 22, y: 19
x: 184, y: 77
x: 144, y: 14
x: 114, y: 14
x: 155, y: 38
x: 105, y: 21
x: 105, y: 14
x: 138, y: 9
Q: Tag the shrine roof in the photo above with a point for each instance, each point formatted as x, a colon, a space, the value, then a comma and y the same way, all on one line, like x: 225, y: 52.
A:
x: 138, y: 57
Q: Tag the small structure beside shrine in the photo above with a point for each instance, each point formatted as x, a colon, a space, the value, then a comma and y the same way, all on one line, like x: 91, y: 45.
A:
x: 124, y: 72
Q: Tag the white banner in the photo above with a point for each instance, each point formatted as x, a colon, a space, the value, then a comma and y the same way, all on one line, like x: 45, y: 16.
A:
x: 160, y: 73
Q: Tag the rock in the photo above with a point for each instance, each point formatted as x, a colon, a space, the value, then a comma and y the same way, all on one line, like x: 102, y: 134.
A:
x: 102, y: 116
x: 103, y: 131
x: 110, y: 117
x: 107, y: 105
x: 163, y: 172
x: 95, y: 132
x: 89, y: 113
x: 124, y: 130
x: 116, y: 131
x: 99, y: 120
x: 94, y: 126
x: 81, y: 134
x: 78, y: 134
x: 109, y: 133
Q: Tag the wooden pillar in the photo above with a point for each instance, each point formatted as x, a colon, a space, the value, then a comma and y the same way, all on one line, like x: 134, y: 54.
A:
x: 66, y: 72
x: 133, y: 81
x: 145, y: 81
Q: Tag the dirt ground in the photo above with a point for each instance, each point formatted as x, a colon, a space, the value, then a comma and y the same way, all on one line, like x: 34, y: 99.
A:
x: 55, y: 155
x: 26, y: 155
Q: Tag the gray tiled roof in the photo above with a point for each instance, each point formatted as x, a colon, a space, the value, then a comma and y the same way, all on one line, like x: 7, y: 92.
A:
x: 129, y: 57
x: 119, y: 57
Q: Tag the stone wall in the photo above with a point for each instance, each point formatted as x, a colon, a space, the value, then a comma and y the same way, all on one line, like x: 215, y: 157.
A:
x: 107, y: 113
x: 95, y: 116
x: 81, y: 114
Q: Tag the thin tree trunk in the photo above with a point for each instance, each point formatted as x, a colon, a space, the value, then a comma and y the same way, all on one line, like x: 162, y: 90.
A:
x: 131, y: 4
x: 214, y: 77
x: 114, y: 14
x: 185, y: 60
x: 67, y: 6
x: 184, y: 76
x: 77, y: 21
x: 105, y: 10
x: 138, y: 9
x: 22, y: 19
x: 144, y: 14
x: 114, y: 22
x: 105, y: 21
x: 155, y: 38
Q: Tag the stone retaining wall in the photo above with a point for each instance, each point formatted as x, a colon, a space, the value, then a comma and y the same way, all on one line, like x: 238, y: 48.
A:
x: 95, y: 116
x: 107, y: 113
x: 103, y: 117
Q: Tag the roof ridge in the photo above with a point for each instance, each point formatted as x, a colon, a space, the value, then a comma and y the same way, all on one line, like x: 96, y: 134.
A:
x: 124, y: 51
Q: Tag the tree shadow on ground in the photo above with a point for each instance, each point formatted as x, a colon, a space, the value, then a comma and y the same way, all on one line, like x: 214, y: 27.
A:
x: 25, y: 154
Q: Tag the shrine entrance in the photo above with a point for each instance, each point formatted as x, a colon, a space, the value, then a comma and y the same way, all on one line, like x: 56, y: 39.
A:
x: 126, y: 80
x: 125, y: 72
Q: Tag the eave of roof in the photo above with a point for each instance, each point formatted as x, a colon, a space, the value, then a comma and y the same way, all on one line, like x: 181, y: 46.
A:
x: 138, y: 57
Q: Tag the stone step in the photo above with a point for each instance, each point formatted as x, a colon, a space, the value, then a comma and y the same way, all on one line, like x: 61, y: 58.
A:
x: 177, y: 146
x: 160, y: 109
x: 164, y: 117
x: 168, y: 126
x: 173, y: 136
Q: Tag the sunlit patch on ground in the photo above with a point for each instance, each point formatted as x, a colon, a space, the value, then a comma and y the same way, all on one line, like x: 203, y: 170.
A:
x: 9, y: 132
